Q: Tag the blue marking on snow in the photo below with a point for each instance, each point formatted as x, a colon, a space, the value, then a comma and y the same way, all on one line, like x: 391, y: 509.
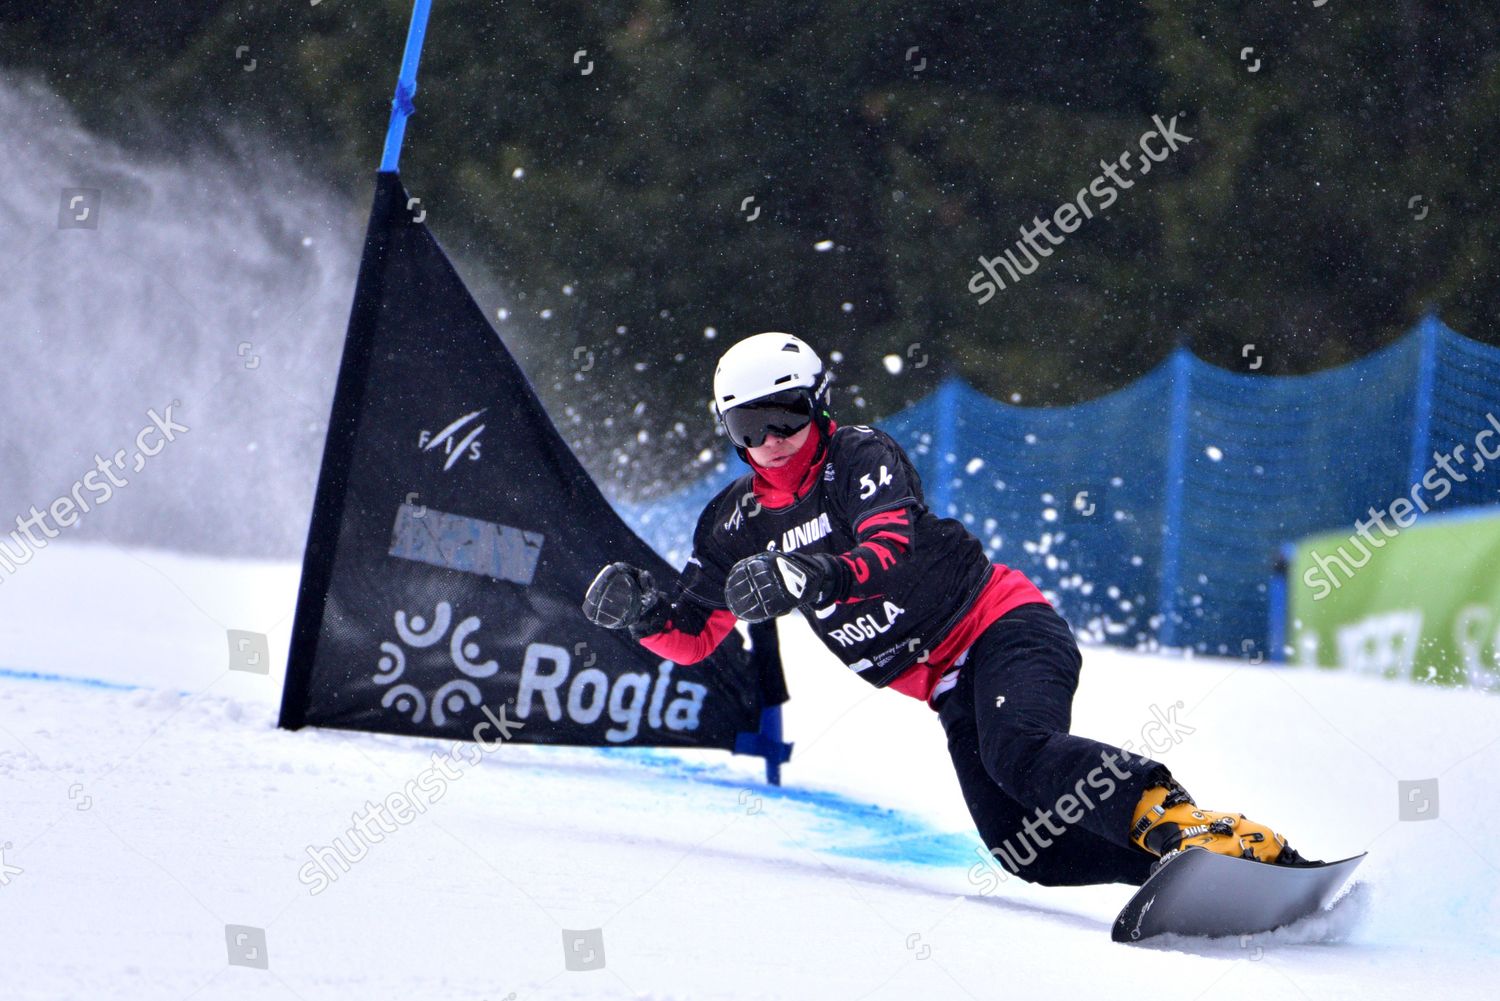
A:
x: 850, y: 827
x: 7, y: 672
x: 853, y: 828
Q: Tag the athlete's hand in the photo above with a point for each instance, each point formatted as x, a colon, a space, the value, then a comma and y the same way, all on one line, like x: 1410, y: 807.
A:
x: 766, y: 585
x: 620, y: 596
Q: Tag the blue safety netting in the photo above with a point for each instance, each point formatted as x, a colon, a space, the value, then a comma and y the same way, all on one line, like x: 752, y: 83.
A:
x: 1154, y: 516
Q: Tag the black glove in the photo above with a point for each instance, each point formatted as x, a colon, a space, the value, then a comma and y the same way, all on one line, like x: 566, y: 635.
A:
x: 766, y: 585
x: 623, y: 597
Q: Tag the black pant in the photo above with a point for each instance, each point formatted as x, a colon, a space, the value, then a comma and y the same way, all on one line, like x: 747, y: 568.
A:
x: 1052, y: 808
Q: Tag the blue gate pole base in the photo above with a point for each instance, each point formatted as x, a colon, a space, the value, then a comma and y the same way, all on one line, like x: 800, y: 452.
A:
x: 766, y: 743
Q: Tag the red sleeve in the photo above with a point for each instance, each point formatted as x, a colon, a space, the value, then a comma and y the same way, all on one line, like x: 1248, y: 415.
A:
x: 689, y: 648
x: 883, y: 538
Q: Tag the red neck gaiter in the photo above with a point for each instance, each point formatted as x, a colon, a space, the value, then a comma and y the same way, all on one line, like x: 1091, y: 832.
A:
x: 783, y: 486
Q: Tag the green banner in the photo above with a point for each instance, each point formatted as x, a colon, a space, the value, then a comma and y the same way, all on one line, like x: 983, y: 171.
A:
x: 1421, y: 603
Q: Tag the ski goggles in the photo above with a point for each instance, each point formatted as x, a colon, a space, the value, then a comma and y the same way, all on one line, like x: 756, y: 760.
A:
x: 782, y: 414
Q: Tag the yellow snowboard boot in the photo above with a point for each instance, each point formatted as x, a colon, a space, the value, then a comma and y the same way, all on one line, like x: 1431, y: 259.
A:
x: 1166, y: 820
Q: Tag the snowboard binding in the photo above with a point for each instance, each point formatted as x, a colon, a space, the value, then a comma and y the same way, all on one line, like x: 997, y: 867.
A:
x: 1166, y: 821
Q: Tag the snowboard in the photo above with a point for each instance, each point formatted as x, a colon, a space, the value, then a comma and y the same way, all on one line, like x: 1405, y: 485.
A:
x: 1201, y: 893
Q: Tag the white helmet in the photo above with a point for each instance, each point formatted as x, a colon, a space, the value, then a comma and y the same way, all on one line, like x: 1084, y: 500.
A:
x: 780, y: 374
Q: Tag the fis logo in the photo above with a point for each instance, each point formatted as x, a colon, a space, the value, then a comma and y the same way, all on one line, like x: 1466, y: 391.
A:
x: 459, y: 440
x: 748, y: 506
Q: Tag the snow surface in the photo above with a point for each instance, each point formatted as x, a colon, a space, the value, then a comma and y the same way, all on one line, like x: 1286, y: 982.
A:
x: 147, y: 801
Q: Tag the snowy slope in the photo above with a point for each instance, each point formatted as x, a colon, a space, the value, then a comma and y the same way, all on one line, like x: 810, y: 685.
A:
x: 145, y: 809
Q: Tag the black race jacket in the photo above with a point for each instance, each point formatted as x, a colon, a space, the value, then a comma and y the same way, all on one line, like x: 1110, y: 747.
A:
x: 865, y: 473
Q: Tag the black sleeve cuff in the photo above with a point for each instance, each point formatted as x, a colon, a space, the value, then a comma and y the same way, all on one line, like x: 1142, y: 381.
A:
x: 653, y: 621
x: 838, y: 579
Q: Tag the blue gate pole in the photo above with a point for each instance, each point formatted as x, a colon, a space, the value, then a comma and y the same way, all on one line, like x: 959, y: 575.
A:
x: 406, y: 86
x: 770, y: 726
x: 944, y: 442
x: 1278, y: 596
x: 1176, y: 489
x: 1421, y: 425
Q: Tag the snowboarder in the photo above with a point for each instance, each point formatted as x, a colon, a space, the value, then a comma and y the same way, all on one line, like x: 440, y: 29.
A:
x: 831, y: 520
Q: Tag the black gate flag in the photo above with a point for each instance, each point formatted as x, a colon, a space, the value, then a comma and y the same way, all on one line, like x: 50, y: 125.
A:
x: 454, y: 534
